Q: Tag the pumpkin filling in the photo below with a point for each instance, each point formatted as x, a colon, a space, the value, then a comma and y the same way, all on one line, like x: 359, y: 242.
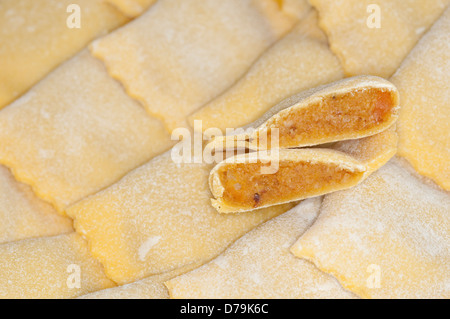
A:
x: 334, y: 116
x: 246, y: 187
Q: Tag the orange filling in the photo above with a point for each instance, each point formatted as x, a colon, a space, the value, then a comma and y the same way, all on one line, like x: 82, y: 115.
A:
x: 246, y: 187
x: 335, y: 116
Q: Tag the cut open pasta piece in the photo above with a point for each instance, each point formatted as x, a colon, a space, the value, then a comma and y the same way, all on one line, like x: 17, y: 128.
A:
x: 351, y: 108
x: 246, y: 182
x: 373, y: 37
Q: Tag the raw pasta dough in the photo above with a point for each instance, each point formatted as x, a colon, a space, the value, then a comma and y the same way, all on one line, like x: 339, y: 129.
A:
x: 148, y: 288
x: 23, y: 215
x: 132, y: 8
x: 240, y: 183
x: 299, y: 61
x: 295, y: 8
x: 136, y: 290
x: 260, y: 265
x: 388, y: 237
x: 35, y: 38
x: 424, y: 124
x: 77, y: 132
x: 180, y: 54
x: 375, y: 51
x: 42, y: 268
x: 159, y: 218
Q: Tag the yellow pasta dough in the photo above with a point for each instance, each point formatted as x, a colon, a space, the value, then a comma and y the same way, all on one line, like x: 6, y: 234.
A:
x: 424, y: 123
x: 295, y: 8
x: 132, y: 8
x: 299, y: 61
x: 180, y: 54
x: 23, y: 215
x: 49, y: 267
x: 77, y: 132
x: 388, y: 237
x: 374, y: 36
x: 148, y: 288
x: 159, y: 218
x: 260, y: 265
x: 35, y: 38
